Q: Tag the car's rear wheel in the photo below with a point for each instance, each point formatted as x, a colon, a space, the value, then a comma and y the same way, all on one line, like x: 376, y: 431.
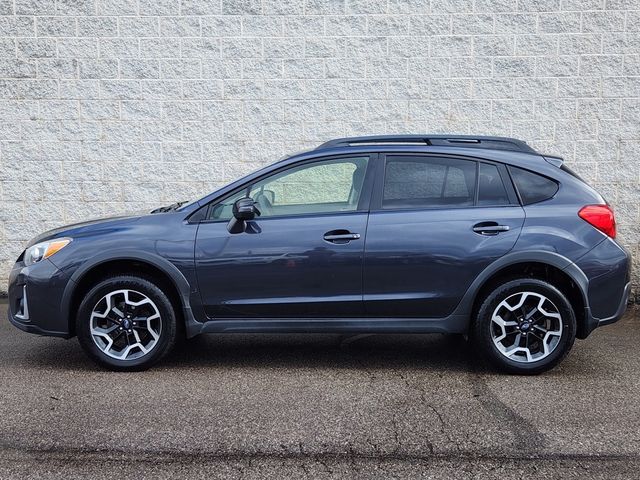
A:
x: 126, y: 323
x: 525, y: 326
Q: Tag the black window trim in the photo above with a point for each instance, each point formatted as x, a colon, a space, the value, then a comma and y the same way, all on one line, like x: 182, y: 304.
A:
x: 363, y: 203
x: 507, y: 181
x: 378, y: 193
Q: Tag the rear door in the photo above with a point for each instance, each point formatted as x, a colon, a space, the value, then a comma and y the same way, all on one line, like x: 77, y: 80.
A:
x: 436, y: 222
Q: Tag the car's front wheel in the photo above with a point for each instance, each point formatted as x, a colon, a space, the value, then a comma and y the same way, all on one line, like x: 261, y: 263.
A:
x: 126, y: 323
x: 525, y: 326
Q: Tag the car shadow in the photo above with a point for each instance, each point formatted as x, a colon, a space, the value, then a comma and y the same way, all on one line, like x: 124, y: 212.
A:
x: 435, y: 352
x: 382, y: 351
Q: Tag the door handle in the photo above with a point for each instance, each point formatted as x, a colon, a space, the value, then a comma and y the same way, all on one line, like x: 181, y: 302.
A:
x: 490, y: 228
x: 340, y: 236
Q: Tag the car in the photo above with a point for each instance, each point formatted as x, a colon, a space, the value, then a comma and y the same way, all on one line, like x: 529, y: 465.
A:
x: 473, y: 235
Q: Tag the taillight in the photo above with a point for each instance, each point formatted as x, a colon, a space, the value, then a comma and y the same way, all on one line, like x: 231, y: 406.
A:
x: 601, y: 217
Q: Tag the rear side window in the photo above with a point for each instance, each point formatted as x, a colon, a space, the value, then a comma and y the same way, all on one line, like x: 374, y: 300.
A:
x: 491, y: 190
x: 532, y: 187
x: 428, y: 182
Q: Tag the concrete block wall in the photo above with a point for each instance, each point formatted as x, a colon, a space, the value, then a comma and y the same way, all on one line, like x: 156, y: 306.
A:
x: 111, y: 106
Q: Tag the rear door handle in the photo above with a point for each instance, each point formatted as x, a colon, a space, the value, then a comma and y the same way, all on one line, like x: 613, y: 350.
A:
x: 340, y: 236
x: 490, y: 228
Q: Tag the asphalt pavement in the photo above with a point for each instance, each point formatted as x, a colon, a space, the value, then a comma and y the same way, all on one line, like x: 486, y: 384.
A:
x: 319, y: 406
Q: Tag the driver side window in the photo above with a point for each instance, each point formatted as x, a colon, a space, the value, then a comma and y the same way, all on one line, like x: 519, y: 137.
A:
x: 318, y: 187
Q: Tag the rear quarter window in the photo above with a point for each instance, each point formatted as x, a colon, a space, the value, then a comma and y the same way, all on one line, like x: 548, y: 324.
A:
x: 533, y: 188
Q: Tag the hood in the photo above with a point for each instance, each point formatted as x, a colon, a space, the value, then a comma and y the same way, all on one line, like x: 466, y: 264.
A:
x: 78, y: 229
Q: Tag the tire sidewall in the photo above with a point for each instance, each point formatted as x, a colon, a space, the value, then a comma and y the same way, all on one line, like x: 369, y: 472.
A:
x: 139, y: 284
x: 483, y: 325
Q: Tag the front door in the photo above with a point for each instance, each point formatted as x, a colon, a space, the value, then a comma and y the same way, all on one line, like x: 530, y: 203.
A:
x: 302, y: 257
x: 436, y: 222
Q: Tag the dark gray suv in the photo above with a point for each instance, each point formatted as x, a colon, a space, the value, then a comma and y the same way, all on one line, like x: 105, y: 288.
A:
x: 415, y: 234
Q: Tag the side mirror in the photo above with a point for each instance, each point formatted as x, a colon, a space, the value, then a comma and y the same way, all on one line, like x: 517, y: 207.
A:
x: 244, y: 209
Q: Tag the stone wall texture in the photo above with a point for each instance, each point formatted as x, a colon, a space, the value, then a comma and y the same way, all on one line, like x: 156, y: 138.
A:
x: 111, y: 106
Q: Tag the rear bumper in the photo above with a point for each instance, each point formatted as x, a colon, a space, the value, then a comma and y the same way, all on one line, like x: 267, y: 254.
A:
x: 622, y: 307
x: 35, y: 294
x: 607, y: 268
x: 594, y: 322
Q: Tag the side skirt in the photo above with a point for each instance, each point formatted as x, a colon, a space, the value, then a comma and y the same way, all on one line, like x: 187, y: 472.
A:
x: 450, y: 324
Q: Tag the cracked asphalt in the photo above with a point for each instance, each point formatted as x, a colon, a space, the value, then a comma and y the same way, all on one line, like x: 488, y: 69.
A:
x: 319, y: 406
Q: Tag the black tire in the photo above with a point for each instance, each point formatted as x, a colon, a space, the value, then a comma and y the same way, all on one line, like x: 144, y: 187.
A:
x: 481, y: 330
x: 145, y: 286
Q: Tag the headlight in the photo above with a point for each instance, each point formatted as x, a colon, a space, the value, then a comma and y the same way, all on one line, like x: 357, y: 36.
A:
x: 42, y: 250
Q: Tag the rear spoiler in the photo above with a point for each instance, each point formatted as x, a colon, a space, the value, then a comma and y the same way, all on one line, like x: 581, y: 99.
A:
x: 557, y: 161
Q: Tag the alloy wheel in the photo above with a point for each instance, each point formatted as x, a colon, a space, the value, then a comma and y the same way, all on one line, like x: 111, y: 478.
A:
x: 125, y: 324
x: 526, y: 327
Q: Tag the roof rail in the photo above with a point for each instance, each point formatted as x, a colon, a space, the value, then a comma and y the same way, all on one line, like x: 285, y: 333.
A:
x: 467, y: 141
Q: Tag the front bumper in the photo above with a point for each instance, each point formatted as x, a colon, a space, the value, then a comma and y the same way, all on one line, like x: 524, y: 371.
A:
x: 35, y: 294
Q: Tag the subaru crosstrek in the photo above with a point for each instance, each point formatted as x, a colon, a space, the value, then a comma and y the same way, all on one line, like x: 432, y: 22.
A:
x: 480, y: 236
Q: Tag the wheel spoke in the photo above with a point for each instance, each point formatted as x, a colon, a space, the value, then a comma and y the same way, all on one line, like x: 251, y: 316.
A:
x: 518, y: 340
x: 103, y: 331
x: 498, y: 320
x: 112, y: 320
x: 136, y: 336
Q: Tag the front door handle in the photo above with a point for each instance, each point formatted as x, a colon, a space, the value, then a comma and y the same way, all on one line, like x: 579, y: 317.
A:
x: 340, y: 236
x: 490, y: 228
